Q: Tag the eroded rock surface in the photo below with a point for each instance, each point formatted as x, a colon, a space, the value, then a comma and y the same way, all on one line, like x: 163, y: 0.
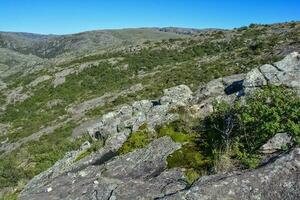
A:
x: 279, y: 141
x: 285, y: 72
x: 278, y: 180
x: 139, y: 174
x: 129, y: 118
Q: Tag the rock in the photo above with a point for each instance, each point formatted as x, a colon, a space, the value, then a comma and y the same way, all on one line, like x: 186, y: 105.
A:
x: 215, y: 90
x: 3, y: 129
x: 277, y: 180
x: 290, y: 63
x: 117, y: 125
x: 176, y: 95
x: 2, y: 85
x: 285, y: 72
x: 142, y: 163
x: 17, y: 95
x: 60, y: 77
x: 211, y: 89
x: 53, y: 103
x: 276, y: 143
x: 39, y: 80
x: 255, y: 79
x: 59, y: 167
x: 140, y: 174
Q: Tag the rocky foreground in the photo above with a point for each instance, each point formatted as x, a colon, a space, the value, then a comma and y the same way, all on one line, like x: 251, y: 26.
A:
x: 143, y: 173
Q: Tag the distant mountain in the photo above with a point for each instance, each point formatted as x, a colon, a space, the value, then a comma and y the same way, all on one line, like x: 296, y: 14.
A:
x: 188, y: 31
x: 49, y: 46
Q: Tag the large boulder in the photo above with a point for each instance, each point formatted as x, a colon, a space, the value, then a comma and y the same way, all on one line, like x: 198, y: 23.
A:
x: 285, y: 72
x: 226, y: 89
x: 140, y: 174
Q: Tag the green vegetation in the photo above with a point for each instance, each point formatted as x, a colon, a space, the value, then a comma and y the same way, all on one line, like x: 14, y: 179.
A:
x: 158, y: 65
x: 138, y: 139
x: 232, y: 135
x: 32, y: 114
x: 178, y: 65
x: 176, y: 132
x: 10, y: 196
x: 36, y: 156
x: 269, y: 111
x: 192, y: 175
x: 2, y: 99
x: 94, y: 147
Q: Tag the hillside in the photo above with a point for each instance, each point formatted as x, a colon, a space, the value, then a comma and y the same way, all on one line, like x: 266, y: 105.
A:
x: 49, y: 46
x: 57, y: 88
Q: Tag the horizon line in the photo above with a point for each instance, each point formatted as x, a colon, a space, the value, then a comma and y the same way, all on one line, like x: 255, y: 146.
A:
x: 149, y: 27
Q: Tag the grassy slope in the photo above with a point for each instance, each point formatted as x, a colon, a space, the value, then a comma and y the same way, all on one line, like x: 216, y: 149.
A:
x: 176, y: 61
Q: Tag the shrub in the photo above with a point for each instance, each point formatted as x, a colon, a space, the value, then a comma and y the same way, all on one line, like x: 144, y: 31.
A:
x: 243, y: 129
x: 269, y: 111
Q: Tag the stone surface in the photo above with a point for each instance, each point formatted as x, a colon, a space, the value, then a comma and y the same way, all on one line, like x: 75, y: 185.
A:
x: 285, y: 72
x: 214, y: 90
x: 16, y: 95
x: 59, y: 167
x: 39, y: 80
x: 129, y: 118
x: 278, y: 180
x: 140, y: 174
x: 276, y: 143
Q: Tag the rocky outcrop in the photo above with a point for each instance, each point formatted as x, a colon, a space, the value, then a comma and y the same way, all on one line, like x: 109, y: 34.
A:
x: 58, y: 167
x: 221, y: 89
x: 276, y: 143
x: 282, y: 73
x: 39, y: 80
x: 17, y: 95
x: 139, y: 174
x: 142, y: 175
x: 129, y: 118
x: 278, y: 180
x: 60, y: 77
x: 285, y: 72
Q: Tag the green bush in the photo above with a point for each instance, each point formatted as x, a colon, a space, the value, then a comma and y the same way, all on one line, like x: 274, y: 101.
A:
x: 192, y: 175
x: 267, y: 112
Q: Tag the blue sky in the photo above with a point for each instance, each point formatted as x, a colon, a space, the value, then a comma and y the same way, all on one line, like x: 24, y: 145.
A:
x: 71, y: 16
